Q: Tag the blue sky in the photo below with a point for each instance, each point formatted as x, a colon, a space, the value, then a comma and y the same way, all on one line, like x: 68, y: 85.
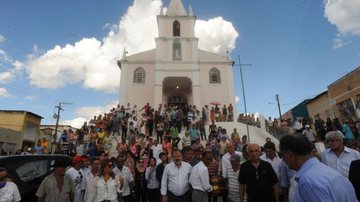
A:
x: 47, y: 49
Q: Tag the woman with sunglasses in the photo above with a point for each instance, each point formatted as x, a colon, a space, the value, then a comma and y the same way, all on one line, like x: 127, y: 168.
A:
x: 140, y: 181
x: 108, y: 184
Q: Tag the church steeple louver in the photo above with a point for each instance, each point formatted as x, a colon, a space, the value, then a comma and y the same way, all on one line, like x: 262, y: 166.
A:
x: 176, y: 8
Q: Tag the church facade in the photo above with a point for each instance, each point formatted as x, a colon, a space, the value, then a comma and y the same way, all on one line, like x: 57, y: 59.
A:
x: 176, y: 72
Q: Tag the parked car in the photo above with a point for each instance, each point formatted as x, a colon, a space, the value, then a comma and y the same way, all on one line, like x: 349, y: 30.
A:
x: 28, y: 171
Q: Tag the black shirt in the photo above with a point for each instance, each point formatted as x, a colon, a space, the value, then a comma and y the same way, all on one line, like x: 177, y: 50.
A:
x: 159, y: 172
x: 259, y: 182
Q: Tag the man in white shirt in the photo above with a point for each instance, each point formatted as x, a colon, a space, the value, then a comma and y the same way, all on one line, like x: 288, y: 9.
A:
x: 125, y: 173
x: 77, y: 176
x: 8, y: 190
x: 175, y: 180
x: 338, y: 156
x: 199, y: 179
x: 271, y: 156
x: 309, y: 134
x: 89, y: 182
x: 156, y: 150
x: 225, y: 161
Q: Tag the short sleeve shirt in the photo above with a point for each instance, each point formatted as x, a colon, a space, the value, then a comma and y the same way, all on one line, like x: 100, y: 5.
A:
x: 9, y: 193
x: 50, y: 191
x: 259, y: 182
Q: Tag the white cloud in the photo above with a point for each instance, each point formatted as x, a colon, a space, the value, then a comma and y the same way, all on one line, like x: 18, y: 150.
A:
x: 13, y: 68
x: 91, y: 111
x: 2, y: 38
x: 76, y: 123
x: 6, y: 77
x: 338, y: 43
x: 31, y: 97
x: 212, y: 38
x: 237, y: 99
x: 92, y: 63
x: 4, y: 93
x: 345, y: 15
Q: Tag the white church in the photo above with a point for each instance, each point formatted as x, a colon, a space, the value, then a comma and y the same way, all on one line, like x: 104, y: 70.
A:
x: 176, y: 71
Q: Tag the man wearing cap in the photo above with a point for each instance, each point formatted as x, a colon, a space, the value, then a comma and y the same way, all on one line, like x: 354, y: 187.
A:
x: 57, y: 187
x: 338, y: 156
x: 77, y: 176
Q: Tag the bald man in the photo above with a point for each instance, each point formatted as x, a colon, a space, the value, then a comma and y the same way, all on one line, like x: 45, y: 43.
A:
x: 258, y: 178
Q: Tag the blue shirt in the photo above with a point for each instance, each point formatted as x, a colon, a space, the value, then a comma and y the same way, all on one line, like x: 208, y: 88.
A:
x: 318, y: 182
x: 194, y: 134
x: 340, y: 163
x: 285, y: 175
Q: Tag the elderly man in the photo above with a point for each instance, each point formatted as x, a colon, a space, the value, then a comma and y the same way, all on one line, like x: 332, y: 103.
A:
x: 232, y: 179
x: 338, y: 156
x: 175, y: 180
x: 259, y: 178
x: 199, y: 179
x: 225, y: 161
x: 316, y: 181
x: 57, y: 187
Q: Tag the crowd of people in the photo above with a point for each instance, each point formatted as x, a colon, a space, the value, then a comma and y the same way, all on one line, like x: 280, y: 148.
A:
x: 153, y: 163
x: 318, y: 129
x: 249, y: 119
x: 254, y: 174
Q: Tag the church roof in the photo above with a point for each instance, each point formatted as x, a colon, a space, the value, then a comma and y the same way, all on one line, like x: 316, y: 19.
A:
x: 176, y: 8
x: 206, y: 56
x: 146, y: 56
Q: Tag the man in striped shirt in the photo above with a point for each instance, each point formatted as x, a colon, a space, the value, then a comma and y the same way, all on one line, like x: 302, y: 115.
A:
x: 232, y: 177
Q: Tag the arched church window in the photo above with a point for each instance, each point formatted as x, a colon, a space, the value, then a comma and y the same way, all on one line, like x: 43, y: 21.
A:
x: 177, y: 55
x: 139, y: 75
x: 214, y: 75
x: 176, y: 28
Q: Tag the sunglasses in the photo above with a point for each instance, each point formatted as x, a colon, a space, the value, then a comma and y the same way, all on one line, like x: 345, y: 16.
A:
x: 141, y: 161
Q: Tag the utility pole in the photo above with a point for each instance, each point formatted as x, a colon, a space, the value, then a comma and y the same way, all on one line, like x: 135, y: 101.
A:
x: 243, y: 92
x: 57, y: 122
x: 278, y: 103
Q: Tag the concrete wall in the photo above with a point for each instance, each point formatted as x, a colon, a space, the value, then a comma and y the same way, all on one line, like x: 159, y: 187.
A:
x: 320, y: 107
x: 346, y: 88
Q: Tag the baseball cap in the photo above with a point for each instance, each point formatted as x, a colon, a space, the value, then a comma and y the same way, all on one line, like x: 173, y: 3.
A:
x: 77, y: 159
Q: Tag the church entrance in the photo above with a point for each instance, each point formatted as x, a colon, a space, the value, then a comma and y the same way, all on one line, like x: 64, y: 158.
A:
x: 177, y: 91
